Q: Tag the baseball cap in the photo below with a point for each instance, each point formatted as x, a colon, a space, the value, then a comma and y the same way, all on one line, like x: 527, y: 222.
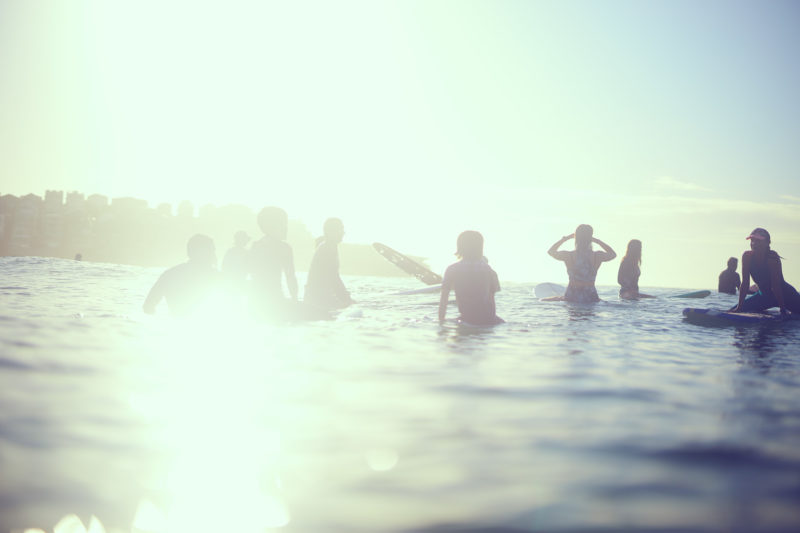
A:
x: 760, y: 234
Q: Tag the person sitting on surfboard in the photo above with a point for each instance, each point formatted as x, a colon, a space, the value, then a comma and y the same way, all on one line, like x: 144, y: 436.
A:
x: 473, y: 281
x: 187, y: 286
x: 582, y: 264
x: 272, y: 260
x: 764, y: 265
x: 629, y: 272
x: 325, y: 288
x: 729, y: 281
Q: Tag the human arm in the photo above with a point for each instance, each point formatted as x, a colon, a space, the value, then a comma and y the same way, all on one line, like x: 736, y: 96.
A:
x: 745, y: 279
x: 609, y: 253
x: 155, y: 295
x: 553, y: 251
x: 288, y: 272
x: 776, y: 277
x: 444, y: 297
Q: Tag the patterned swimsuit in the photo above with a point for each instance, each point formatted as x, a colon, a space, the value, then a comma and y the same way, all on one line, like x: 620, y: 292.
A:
x: 582, y: 270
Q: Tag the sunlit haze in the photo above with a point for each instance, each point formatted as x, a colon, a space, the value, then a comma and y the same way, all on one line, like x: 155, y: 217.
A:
x: 672, y: 122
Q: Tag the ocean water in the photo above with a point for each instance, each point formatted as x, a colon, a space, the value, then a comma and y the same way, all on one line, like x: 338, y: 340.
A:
x: 617, y: 416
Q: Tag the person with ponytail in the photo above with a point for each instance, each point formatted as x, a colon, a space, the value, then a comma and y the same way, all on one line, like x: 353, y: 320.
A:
x: 764, y: 265
x: 582, y: 263
x: 629, y: 272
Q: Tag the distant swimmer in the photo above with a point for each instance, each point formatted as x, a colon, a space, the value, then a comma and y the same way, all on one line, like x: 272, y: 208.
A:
x: 729, y: 281
x: 272, y: 261
x: 78, y: 257
x: 235, y: 262
x: 474, y: 282
x: 325, y: 288
x: 187, y: 286
x: 764, y: 265
x: 629, y: 272
x: 582, y: 264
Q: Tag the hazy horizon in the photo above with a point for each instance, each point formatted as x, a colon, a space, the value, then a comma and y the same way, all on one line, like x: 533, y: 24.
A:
x: 672, y: 122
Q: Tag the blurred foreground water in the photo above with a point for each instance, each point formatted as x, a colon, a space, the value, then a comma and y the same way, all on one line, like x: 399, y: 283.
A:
x: 617, y: 416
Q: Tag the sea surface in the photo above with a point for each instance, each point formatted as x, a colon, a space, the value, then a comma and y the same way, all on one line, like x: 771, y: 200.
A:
x: 617, y: 416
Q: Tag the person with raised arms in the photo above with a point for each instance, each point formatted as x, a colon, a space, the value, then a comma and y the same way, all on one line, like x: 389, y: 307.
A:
x: 764, y: 265
x: 629, y: 272
x: 582, y: 263
x: 474, y: 282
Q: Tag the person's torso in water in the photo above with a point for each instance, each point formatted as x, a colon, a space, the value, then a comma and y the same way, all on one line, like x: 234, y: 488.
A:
x: 268, y: 259
x: 582, y: 268
x: 474, y: 283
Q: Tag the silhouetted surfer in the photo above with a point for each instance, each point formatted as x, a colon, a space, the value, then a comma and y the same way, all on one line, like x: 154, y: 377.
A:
x: 272, y: 260
x: 235, y: 262
x: 186, y: 286
x: 582, y: 264
x: 729, y: 281
x: 474, y: 282
x: 629, y: 272
x: 324, y: 288
x: 764, y: 265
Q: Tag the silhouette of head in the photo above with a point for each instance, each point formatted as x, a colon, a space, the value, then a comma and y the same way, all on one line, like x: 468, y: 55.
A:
x: 634, y: 250
x: 241, y: 238
x: 333, y: 230
x: 732, y: 263
x: 200, y: 249
x: 274, y: 222
x: 759, y: 234
x: 583, y: 236
x: 469, y: 245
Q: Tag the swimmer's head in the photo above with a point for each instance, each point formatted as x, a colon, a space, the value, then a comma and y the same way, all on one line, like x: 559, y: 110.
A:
x: 469, y: 245
x: 634, y: 251
x: 200, y: 249
x: 333, y: 230
x: 732, y: 263
x: 274, y: 222
x: 583, y: 236
x: 759, y: 234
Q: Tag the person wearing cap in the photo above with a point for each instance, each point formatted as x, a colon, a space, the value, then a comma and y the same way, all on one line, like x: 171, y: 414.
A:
x: 582, y: 263
x: 764, y: 265
x: 729, y: 281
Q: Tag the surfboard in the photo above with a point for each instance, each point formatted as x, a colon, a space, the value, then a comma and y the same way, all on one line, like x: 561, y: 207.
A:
x: 695, y: 294
x: 716, y: 317
x: 424, y: 290
x: 408, y: 265
x: 549, y: 290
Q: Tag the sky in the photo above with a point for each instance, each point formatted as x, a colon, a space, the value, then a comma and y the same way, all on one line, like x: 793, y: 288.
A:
x: 673, y: 122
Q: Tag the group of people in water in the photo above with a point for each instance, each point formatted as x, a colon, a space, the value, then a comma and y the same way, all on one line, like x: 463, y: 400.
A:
x: 475, y: 283
x: 269, y: 263
x: 260, y: 272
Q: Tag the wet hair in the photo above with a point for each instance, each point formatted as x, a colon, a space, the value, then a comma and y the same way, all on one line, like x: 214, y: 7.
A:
x: 583, y: 236
x: 732, y: 262
x: 469, y: 245
x: 274, y: 222
x: 634, y: 251
x: 201, y: 248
